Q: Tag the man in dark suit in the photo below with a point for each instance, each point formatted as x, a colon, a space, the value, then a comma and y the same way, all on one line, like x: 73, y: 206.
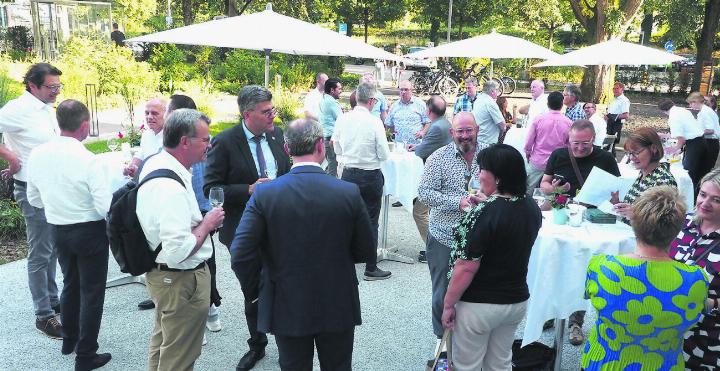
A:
x: 310, y: 230
x: 241, y: 158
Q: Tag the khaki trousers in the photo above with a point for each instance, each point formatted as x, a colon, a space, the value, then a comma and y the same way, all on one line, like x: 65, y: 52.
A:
x: 421, y: 214
x: 182, y: 300
x: 483, y: 335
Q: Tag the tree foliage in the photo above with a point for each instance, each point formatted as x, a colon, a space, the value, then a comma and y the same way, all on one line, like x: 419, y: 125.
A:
x: 544, y: 15
x: 367, y: 12
x: 132, y: 14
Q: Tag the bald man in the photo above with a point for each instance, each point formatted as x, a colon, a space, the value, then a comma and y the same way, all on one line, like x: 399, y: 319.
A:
x: 314, y: 96
x: 538, y: 104
x: 151, y: 141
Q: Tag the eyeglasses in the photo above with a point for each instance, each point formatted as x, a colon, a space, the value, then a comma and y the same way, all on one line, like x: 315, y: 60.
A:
x: 270, y: 112
x: 578, y: 143
x: 464, y: 131
x: 588, y: 107
x: 636, y: 153
x: 204, y: 140
x: 54, y: 88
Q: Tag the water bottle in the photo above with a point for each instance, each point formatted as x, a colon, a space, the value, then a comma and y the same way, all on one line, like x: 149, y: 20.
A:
x: 442, y: 365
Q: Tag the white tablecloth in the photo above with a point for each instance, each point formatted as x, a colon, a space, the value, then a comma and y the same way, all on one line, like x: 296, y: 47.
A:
x: 113, y: 165
x: 685, y: 184
x: 516, y: 137
x: 402, y: 172
x: 558, y: 267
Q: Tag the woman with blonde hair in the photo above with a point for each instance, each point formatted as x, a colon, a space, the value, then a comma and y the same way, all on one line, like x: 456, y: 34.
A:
x: 698, y: 244
x: 645, y: 301
x: 708, y: 118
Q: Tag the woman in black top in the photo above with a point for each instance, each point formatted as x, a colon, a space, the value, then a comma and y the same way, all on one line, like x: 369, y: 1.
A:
x: 487, y: 294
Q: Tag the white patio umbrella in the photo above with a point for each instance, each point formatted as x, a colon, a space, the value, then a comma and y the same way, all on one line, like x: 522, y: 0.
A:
x: 268, y: 31
x: 613, y: 52
x: 493, y: 45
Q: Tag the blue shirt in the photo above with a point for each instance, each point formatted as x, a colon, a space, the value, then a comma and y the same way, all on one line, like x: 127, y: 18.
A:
x: 330, y: 110
x: 270, y: 164
x: 407, y: 119
x: 575, y: 112
x: 464, y: 104
x: 380, y: 106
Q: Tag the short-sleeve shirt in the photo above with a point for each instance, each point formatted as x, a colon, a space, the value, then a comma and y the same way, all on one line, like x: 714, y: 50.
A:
x: 490, y: 232
x: 488, y: 117
x: 683, y: 124
x: 407, y: 119
x: 709, y: 121
x: 619, y: 106
x: 312, y: 102
x: 575, y: 112
x: 381, y: 105
x: 150, y: 144
x: 330, y: 110
x: 559, y: 163
x: 464, y: 103
x: 537, y: 107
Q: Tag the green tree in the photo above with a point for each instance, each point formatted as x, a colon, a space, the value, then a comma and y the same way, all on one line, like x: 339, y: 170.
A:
x: 367, y: 12
x: 706, y: 39
x: 547, y: 15
x: 132, y: 14
x: 602, y: 19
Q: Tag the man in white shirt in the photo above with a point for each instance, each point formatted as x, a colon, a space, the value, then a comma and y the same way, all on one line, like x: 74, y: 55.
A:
x: 490, y: 120
x: 151, y: 141
x: 538, y: 104
x: 618, y: 112
x: 169, y: 215
x: 27, y: 122
x: 689, y: 134
x: 598, y: 122
x: 64, y: 178
x: 359, y: 139
x: 314, y: 96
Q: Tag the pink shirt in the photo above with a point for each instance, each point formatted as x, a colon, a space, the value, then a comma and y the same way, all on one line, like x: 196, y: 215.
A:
x: 547, y: 133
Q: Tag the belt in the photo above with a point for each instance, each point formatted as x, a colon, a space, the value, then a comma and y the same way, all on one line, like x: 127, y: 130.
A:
x: 20, y: 183
x: 359, y: 169
x: 165, y: 268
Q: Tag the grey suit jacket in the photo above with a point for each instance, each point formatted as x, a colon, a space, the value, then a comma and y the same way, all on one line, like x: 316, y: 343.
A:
x: 437, y: 136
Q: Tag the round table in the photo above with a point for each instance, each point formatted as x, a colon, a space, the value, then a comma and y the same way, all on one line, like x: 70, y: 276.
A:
x: 558, y: 267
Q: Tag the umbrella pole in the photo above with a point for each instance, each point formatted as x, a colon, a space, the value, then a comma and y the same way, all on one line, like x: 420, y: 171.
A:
x: 267, y: 67
x: 492, y: 67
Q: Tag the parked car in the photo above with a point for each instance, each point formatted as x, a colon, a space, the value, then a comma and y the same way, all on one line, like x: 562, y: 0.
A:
x: 419, y: 63
x: 688, y: 62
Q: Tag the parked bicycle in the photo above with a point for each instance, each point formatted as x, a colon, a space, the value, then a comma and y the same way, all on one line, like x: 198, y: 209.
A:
x: 506, y: 84
x: 443, y: 81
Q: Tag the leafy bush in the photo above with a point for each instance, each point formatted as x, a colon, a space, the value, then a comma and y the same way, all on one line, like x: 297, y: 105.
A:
x: 558, y: 74
x: 170, y: 61
x: 12, y: 223
x: 217, y: 127
x: 9, y: 88
x: 201, y: 92
x: 288, y: 106
x: 349, y: 81
x: 18, y: 42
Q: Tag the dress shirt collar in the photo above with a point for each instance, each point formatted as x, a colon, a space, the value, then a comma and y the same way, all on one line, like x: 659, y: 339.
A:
x: 34, y: 101
x: 249, y: 135
x: 307, y: 163
x: 360, y: 108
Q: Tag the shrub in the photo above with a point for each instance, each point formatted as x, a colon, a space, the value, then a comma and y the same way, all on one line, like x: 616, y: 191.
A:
x: 217, y: 127
x: 201, y: 92
x: 170, y: 61
x: 288, y: 106
x: 18, y: 42
x: 9, y: 88
x: 12, y: 223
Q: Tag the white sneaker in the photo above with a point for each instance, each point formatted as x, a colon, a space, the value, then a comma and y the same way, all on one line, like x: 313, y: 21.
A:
x: 214, y: 326
x: 204, y: 340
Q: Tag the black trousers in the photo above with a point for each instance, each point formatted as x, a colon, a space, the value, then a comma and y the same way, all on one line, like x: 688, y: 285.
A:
x: 371, y: 184
x: 614, y: 127
x: 334, y: 351
x: 713, y: 148
x: 83, y: 251
x: 251, y: 292
x: 695, y: 160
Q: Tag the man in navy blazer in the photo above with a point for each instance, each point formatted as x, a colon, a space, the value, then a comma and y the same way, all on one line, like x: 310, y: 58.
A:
x: 310, y: 230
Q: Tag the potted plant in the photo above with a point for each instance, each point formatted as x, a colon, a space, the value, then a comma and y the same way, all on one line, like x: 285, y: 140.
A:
x: 558, y: 202
x: 390, y: 136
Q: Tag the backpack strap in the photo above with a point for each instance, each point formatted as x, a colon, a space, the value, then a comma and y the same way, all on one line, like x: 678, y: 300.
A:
x: 160, y: 173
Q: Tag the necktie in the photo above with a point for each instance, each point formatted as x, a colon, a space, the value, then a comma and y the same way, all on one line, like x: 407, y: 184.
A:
x: 260, y: 156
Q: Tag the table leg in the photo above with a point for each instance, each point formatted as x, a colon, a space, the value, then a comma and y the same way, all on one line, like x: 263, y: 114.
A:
x: 382, y: 251
x: 124, y: 280
x: 559, y: 337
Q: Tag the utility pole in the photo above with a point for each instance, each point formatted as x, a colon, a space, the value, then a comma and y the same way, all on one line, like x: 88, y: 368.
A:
x: 449, y: 20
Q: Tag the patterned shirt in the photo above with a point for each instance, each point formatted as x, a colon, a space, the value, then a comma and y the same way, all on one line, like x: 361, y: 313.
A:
x: 442, y: 186
x: 660, y: 176
x: 407, y: 119
x: 464, y: 103
x: 575, y: 112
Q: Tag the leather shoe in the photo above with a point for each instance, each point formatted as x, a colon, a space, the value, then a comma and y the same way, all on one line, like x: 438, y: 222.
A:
x: 86, y: 364
x: 248, y: 361
x: 146, y: 304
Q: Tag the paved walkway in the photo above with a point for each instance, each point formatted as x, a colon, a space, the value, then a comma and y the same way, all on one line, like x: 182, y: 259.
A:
x: 396, y: 333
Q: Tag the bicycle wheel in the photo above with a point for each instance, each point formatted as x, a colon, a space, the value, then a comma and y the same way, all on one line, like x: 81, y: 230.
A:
x: 509, y: 84
x: 447, y: 87
x: 500, y: 85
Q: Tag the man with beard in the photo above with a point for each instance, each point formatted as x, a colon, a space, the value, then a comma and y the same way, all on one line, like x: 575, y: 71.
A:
x: 443, y: 188
x: 25, y: 123
x: 151, y: 141
x: 330, y: 110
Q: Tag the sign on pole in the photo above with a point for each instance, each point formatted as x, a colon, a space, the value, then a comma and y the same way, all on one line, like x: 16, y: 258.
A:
x: 342, y: 28
x: 670, y: 46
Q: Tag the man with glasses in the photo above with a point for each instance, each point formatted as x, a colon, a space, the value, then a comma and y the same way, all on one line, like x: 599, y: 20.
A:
x: 408, y: 116
x: 586, y: 156
x: 597, y: 120
x: 241, y: 158
x: 25, y: 123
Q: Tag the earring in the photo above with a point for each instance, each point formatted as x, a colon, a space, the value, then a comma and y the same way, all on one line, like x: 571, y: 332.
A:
x: 497, y: 182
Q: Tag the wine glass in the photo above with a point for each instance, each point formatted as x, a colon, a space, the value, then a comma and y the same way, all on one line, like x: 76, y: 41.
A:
x: 473, y: 186
x: 539, y: 197
x: 216, y: 197
x: 113, y: 144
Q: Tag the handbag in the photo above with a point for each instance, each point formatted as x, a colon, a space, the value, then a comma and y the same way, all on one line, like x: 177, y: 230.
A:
x: 440, y: 363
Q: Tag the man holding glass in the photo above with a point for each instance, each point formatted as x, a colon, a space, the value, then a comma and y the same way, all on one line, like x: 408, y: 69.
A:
x: 25, y: 123
x: 241, y: 158
x: 444, y: 188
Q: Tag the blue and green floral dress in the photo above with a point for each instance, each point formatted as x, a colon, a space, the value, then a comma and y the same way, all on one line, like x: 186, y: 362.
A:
x: 644, y: 308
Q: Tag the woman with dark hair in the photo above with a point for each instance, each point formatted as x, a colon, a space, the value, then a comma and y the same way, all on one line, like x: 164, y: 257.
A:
x: 510, y: 118
x: 485, y: 302
x: 645, y: 151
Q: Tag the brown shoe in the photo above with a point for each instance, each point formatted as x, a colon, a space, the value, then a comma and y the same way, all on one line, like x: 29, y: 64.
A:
x: 576, y: 336
x: 50, y: 327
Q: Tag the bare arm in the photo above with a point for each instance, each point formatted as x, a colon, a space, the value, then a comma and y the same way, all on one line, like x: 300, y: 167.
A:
x: 13, y: 162
x: 462, y: 276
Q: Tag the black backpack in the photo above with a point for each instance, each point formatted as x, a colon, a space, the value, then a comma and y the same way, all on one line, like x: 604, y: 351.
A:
x: 127, y: 240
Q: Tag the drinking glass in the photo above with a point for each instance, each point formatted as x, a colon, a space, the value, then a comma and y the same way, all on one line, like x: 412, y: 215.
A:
x: 539, y: 197
x: 216, y: 197
x: 473, y: 186
x: 113, y: 144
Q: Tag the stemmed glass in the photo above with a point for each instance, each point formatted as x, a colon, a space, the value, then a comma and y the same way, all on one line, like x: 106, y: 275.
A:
x: 473, y: 186
x: 539, y: 197
x: 113, y: 144
x: 216, y: 197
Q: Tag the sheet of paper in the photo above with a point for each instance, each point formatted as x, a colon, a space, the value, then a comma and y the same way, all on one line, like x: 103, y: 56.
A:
x: 598, y: 186
x: 607, y: 207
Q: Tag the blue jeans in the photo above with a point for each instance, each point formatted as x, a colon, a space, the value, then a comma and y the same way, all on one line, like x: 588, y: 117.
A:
x: 371, y: 184
x: 42, y: 257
